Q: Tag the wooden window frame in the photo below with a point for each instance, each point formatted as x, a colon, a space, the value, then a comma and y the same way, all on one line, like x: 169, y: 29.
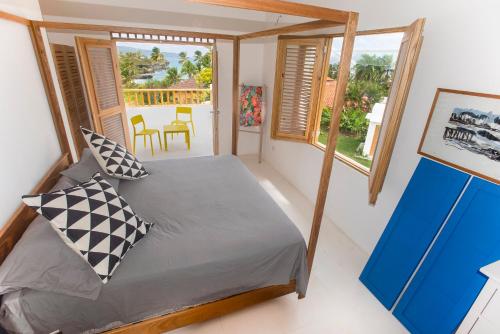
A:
x: 396, y: 117
x: 339, y: 156
x: 318, y: 74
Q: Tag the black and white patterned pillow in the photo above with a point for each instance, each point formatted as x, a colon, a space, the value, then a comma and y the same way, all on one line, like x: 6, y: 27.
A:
x: 94, y: 221
x: 113, y: 158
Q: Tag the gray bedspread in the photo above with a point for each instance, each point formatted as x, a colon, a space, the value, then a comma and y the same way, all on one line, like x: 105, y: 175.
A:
x: 217, y: 233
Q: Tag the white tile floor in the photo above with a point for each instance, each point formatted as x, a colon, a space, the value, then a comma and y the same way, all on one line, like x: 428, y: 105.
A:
x: 336, y: 301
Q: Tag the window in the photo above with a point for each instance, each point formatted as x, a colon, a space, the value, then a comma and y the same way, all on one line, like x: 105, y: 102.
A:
x: 299, y: 71
x: 381, y: 73
x: 372, y: 71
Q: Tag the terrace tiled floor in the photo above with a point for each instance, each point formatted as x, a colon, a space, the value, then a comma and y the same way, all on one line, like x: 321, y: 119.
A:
x: 158, y: 116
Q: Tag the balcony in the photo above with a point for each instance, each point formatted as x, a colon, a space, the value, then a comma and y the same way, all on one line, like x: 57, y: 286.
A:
x: 157, y: 106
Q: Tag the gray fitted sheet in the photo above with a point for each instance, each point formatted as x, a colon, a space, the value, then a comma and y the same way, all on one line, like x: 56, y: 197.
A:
x: 217, y: 233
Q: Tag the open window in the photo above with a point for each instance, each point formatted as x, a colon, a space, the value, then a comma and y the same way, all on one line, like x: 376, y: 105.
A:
x: 381, y: 73
x: 299, y: 70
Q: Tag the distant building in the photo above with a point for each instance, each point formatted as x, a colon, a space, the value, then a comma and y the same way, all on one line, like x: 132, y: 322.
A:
x: 186, y: 84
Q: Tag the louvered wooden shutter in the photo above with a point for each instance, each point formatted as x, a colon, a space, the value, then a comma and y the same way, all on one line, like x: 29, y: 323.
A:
x: 71, y: 86
x: 403, y: 75
x: 103, y: 83
x: 299, y: 67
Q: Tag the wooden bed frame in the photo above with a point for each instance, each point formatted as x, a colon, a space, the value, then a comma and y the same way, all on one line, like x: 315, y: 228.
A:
x: 324, y: 17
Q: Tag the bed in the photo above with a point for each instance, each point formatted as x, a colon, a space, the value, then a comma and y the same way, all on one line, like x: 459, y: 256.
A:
x: 217, y: 234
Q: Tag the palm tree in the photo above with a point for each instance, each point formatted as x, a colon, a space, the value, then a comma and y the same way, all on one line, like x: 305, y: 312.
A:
x: 158, y: 59
x: 182, y: 57
x: 172, y: 77
x: 156, y: 54
x: 374, y: 68
x: 188, y: 68
x: 206, y: 60
x: 129, y: 66
x: 198, y: 56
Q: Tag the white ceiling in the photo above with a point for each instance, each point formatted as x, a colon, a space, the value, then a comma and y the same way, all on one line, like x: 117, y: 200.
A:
x: 173, y: 13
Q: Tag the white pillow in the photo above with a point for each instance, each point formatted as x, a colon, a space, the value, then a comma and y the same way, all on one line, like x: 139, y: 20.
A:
x: 113, y: 158
x: 94, y: 221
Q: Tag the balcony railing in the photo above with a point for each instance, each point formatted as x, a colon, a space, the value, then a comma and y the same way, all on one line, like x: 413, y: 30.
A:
x: 154, y: 97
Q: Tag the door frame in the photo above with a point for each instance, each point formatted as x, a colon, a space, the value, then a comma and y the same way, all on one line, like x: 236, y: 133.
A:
x: 215, y: 99
x: 215, y: 80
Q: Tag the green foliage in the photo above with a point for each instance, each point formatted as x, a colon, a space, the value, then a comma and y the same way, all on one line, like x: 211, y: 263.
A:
x: 364, y: 94
x: 204, y: 77
x: 152, y: 84
x: 172, y: 77
x: 188, y: 68
x: 133, y: 64
x: 326, y: 117
x: 374, y: 69
x: 353, y: 121
x: 205, y: 61
x: 129, y: 66
x: 333, y: 70
x: 182, y: 57
x: 158, y: 59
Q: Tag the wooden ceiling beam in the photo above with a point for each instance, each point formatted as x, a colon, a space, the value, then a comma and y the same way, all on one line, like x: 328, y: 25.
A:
x: 132, y: 30
x: 283, y: 7
x: 14, y: 18
x: 319, y: 24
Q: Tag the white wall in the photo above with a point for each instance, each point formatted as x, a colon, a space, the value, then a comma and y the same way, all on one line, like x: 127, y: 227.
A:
x: 29, y: 9
x: 28, y: 137
x: 251, y: 62
x: 460, y: 51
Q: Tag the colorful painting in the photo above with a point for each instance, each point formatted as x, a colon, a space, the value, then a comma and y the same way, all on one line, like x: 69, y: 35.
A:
x: 251, y: 106
x: 463, y: 131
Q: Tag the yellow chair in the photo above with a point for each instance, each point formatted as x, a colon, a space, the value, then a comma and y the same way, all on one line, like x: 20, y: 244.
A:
x: 138, y: 119
x: 185, y: 111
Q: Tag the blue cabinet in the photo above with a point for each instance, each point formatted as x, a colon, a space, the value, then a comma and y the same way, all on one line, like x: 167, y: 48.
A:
x: 424, y: 206
x: 449, y: 281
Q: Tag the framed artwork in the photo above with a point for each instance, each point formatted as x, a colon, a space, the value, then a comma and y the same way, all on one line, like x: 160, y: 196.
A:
x: 251, y: 105
x: 463, y: 131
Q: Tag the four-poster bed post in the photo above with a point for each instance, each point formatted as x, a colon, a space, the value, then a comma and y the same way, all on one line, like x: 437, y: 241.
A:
x: 236, y: 101
x: 325, y: 17
x: 343, y: 77
x: 338, y: 104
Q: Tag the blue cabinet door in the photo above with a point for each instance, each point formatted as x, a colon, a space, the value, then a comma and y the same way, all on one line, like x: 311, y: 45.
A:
x: 449, y: 280
x: 424, y: 206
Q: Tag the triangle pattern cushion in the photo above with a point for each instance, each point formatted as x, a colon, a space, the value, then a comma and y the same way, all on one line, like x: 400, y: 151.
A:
x: 113, y: 158
x: 94, y: 221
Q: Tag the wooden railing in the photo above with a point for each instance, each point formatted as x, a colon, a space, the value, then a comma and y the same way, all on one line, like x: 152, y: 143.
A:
x: 153, y: 97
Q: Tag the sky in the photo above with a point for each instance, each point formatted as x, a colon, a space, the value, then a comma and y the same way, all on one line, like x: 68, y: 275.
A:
x: 378, y: 44
x: 174, y: 48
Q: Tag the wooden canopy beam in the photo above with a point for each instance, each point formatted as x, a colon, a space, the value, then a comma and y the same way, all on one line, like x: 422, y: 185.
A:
x: 338, y: 104
x: 283, y: 7
x: 124, y: 29
x: 14, y: 18
x: 318, y: 24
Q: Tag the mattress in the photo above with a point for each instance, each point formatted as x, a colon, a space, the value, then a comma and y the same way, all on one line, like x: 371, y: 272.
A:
x: 217, y: 233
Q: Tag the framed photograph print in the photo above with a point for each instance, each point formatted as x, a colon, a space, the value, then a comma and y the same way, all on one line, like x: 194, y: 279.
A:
x: 463, y: 131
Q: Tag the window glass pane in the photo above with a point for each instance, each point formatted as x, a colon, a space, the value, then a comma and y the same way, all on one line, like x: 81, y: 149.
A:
x: 372, y: 68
